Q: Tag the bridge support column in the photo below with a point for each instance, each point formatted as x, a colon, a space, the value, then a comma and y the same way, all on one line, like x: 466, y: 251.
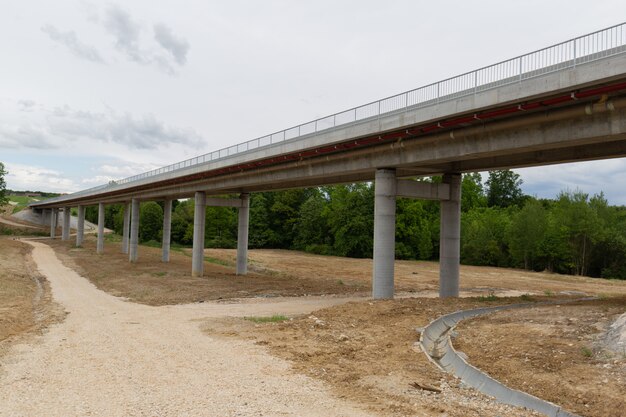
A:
x: 100, y: 244
x: 450, y: 239
x: 80, y: 227
x: 134, y: 230
x: 126, y: 227
x: 384, y: 233
x: 242, y: 235
x: 199, y: 219
x: 53, y: 222
x: 167, y: 230
x: 65, y: 234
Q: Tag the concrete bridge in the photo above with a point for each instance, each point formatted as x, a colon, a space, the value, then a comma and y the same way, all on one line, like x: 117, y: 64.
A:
x: 564, y: 103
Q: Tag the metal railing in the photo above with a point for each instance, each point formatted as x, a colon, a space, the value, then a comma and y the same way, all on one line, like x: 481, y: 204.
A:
x: 565, y: 55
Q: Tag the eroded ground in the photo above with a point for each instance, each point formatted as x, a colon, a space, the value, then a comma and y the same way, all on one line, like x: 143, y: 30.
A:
x: 26, y: 306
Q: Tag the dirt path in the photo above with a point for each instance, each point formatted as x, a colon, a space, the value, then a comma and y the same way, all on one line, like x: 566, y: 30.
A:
x: 111, y: 357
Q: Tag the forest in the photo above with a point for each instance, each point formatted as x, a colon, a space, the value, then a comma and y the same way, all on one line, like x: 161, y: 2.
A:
x: 500, y: 226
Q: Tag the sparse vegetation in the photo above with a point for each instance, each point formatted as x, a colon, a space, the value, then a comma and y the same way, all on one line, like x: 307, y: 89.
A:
x: 490, y: 297
x: 270, y: 319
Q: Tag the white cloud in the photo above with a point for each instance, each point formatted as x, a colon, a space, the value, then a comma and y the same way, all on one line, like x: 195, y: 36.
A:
x: 33, y: 178
x: 178, y: 47
x: 71, y: 42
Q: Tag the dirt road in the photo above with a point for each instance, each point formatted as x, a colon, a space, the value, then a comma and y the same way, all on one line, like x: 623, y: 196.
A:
x: 111, y: 357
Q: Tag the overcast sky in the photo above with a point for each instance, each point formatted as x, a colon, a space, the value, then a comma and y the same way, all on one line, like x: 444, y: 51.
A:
x: 92, y: 91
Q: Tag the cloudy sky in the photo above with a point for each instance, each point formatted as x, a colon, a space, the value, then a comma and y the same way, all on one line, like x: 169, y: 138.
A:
x: 92, y: 91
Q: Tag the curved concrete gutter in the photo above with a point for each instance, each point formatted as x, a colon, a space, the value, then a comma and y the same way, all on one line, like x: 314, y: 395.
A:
x: 435, y: 341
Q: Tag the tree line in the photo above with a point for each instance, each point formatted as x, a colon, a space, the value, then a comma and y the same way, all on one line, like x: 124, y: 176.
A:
x: 500, y: 226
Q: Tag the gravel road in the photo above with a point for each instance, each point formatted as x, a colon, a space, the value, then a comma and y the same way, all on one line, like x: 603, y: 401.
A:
x: 115, y: 358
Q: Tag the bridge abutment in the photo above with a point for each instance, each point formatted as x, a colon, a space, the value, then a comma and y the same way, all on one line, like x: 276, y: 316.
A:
x: 242, y: 235
x: 199, y: 219
x: 450, y: 239
x: 134, y: 230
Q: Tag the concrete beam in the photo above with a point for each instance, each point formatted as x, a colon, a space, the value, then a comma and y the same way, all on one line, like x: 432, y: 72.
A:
x: 242, y: 235
x: 167, y: 230
x: 134, y: 230
x: 100, y: 244
x: 199, y: 219
x: 126, y: 227
x: 384, y: 234
x: 422, y: 190
x: 80, y: 227
x: 65, y: 234
x: 450, y: 239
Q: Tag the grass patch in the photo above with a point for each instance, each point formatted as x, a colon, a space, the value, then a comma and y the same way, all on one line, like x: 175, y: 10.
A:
x: 526, y: 297
x: 268, y: 319
x: 548, y: 293
x: 490, y: 297
x: 586, y: 352
x: 160, y: 274
x: 217, y: 261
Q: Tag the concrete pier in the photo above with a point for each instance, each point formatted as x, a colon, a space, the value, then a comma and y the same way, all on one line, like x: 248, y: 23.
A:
x: 242, y: 235
x: 384, y: 233
x: 53, y: 222
x: 450, y: 239
x: 134, y: 230
x: 100, y: 245
x: 80, y: 227
x: 167, y: 230
x: 126, y: 228
x: 65, y: 234
x: 197, y: 259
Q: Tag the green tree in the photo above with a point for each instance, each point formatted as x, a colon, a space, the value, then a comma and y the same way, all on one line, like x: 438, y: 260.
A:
x: 504, y: 189
x: 413, y: 230
x: 221, y: 227
x: 580, y: 225
x: 3, y: 185
x: 526, y: 233
x: 150, y: 221
x: 483, y: 237
x: 472, y: 192
x: 311, y: 233
x: 350, y: 218
x: 182, y: 222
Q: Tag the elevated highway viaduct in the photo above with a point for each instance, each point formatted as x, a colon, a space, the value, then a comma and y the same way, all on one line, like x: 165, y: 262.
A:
x: 561, y: 104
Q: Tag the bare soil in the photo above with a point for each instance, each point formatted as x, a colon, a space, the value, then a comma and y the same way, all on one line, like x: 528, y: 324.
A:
x: 421, y: 277
x: 553, y: 352
x: 26, y: 306
x: 150, y: 281
x: 367, y: 352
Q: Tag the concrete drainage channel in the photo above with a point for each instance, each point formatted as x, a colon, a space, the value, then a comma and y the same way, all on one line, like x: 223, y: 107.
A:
x: 435, y: 341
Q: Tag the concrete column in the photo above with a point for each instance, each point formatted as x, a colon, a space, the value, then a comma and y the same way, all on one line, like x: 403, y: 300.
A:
x: 134, y: 230
x: 53, y: 222
x: 100, y: 244
x: 242, y: 235
x: 197, y: 259
x: 65, y: 235
x: 80, y: 227
x: 126, y: 228
x: 167, y: 229
x: 450, y: 239
x: 384, y: 233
